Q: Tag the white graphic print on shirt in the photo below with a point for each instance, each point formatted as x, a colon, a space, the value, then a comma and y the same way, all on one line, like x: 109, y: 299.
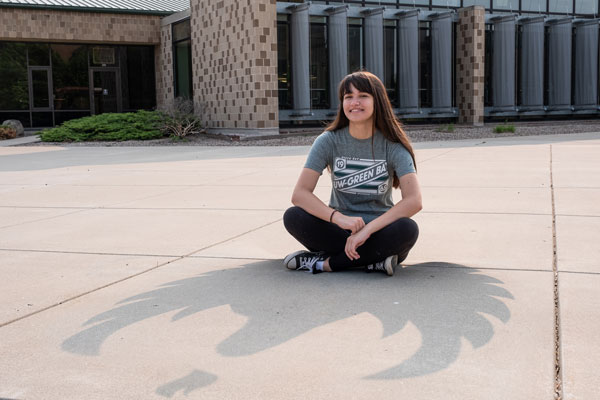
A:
x: 360, y: 176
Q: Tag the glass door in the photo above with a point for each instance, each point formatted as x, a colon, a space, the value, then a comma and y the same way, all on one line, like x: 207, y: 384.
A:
x: 105, y: 95
x: 40, y: 88
x: 40, y: 96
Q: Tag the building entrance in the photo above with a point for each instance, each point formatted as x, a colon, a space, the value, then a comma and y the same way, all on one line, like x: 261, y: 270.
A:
x: 105, y: 96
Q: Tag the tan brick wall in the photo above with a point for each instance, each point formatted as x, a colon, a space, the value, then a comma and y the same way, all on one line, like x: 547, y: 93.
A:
x: 470, y: 60
x: 234, y: 63
x: 75, y: 26
x: 164, y: 68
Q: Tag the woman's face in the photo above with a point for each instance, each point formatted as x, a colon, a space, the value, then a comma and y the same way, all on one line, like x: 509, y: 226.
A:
x: 358, y: 106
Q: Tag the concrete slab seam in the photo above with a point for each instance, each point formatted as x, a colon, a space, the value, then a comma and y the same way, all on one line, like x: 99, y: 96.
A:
x: 41, y: 219
x: 88, y: 208
x: 438, y: 155
x: 3, y: 324
x: 557, y: 336
x: 90, y: 253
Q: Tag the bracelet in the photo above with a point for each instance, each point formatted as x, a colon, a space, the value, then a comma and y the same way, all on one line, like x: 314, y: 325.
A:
x: 331, y: 216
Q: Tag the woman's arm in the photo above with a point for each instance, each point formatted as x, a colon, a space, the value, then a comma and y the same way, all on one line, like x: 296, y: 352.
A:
x: 304, y: 197
x: 410, y: 204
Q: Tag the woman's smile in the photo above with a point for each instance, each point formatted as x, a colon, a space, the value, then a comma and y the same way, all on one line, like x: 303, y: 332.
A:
x: 358, y: 106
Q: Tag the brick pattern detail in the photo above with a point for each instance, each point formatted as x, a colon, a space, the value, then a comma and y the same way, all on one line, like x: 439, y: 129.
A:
x: 470, y: 59
x: 76, y: 26
x: 165, y: 90
x: 234, y: 62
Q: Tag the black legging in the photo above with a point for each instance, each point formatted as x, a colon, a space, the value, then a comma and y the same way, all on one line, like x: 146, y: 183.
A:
x: 318, y: 235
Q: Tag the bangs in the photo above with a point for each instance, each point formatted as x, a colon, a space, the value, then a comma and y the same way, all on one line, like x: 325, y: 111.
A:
x: 359, y: 80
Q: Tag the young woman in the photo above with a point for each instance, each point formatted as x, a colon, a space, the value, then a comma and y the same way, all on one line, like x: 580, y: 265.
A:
x: 367, y: 153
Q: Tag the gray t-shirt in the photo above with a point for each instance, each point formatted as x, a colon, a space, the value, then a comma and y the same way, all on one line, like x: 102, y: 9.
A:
x: 361, y: 184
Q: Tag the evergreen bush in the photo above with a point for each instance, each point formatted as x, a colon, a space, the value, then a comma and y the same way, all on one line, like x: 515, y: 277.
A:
x: 140, y: 125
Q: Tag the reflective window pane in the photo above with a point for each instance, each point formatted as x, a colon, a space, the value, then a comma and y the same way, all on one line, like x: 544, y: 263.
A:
x: 389, y: 62
x: 561, y: 6
x: 425, y: 64
x: 319, y: 66
x: 138, y: 78
x: 183, y: 69
x: 23, y: 116
x: 14, y: 89
x: 586, y: 6
x: 484, y: 3
x: 533, y: 5
x: 283, y: 63
x: 448, y: 3
x: 182, y: 30
x: 38, y: 54
x: 70, y: 77
x: 355, y: 44
x: 512, y: 5
x: 39, y: 84
x: 103, y: 56
x: 42, y: 119
x: 105, y: 92
x: 416, y: 2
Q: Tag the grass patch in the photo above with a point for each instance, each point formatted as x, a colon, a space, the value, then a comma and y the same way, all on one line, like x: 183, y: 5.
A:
x: 446, y: 128
x: 504, y: 128
x: 140, y: 125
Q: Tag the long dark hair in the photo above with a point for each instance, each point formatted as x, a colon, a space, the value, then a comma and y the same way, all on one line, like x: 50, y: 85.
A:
x: 384, y: 119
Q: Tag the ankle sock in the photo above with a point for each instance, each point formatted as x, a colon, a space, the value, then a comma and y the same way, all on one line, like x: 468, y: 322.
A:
x: 319, y: 265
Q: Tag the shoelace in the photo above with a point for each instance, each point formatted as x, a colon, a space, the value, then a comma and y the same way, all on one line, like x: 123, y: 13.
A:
x: 307, y: 263
x: 378, y: 266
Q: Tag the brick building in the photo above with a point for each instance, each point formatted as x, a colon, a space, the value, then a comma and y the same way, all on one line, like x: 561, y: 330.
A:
x: 254, y: 65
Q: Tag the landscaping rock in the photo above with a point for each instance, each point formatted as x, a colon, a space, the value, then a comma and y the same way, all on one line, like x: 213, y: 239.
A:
x: 16, y: 125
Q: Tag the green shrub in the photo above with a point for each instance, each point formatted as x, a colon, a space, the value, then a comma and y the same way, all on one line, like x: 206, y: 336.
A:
x: 504, y: 128
x: 446, y: 128
x: 141, y: 125
x: 7, y: 132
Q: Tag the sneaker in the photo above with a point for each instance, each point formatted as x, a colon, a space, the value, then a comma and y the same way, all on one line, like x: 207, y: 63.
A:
x: 386, y: 265
x: 303, y: 260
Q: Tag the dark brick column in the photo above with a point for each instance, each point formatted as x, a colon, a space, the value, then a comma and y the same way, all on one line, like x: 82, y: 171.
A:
x: 470, y: 60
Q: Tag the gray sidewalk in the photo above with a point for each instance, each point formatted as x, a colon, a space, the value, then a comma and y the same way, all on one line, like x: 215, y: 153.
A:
x: 155, y: 272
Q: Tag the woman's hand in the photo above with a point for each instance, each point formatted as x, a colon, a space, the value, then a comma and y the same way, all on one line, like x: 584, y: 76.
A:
x: 352, y: 224
x: 354, y: 241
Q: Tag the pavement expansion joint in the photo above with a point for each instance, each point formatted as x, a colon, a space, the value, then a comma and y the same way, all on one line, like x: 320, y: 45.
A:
x: 483, y: 213
x: 158, y: 265
x: 92, y: 253
x: 557, y: 336
x: 43, y: 219
x: 437, y: 155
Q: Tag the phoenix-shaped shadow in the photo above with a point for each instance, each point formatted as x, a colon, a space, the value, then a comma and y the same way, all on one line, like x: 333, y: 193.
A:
x: 446, y: 302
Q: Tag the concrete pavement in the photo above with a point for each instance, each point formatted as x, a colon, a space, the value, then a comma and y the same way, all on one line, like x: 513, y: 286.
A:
x: 155, y: 272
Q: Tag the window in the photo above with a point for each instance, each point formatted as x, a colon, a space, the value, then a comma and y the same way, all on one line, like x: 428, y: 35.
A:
x: 538, y: 6
x: 390, y: 57
x: 70, y: 77
x: 586, y: 6
x: 284, y: 81
x: 355, y: 44
x: 319, y: 65
x: 182, y: 59
x: 138, y: 79
x: 14, y: 90
x: 425, y: 76
x: 561, y: 6
x: 510, y: 5
x: 484, y: 3
x: 446, y: 3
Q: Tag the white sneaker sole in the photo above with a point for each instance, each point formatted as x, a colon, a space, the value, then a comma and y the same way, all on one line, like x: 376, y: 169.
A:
x: 389, y: 265
x: 290, y: 257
